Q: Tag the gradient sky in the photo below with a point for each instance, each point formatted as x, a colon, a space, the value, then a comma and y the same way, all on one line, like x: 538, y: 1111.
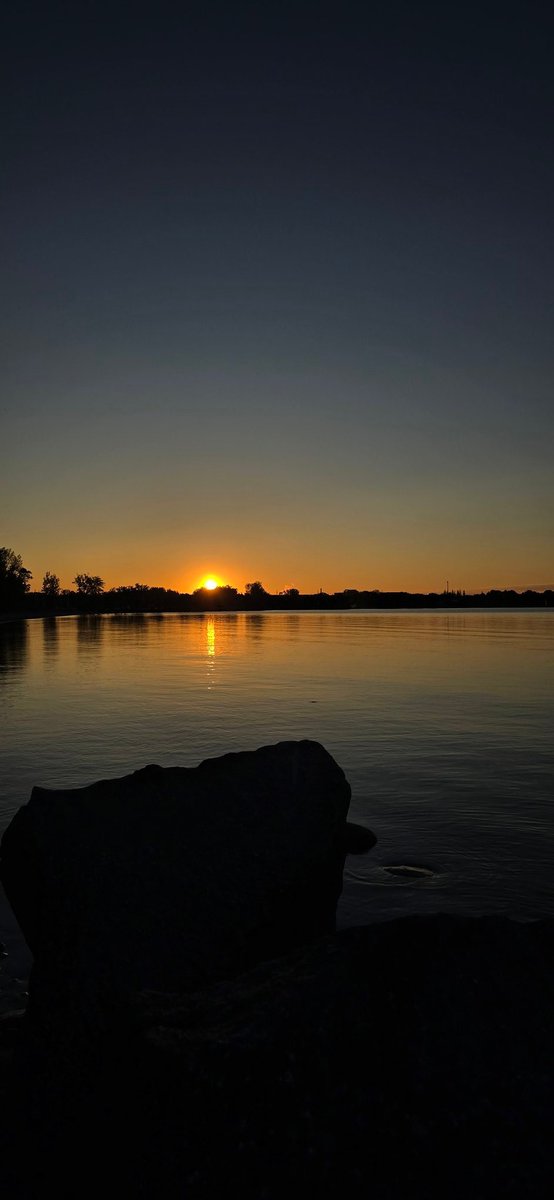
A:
x: 277, y: 296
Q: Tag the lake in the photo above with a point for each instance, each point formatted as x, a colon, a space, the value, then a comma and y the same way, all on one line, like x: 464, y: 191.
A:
x: 442, y: 722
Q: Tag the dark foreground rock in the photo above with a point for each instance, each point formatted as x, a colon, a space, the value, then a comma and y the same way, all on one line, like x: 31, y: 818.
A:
x: 175, y: 877
x: 195, y: 1028
x: 411, y: 1058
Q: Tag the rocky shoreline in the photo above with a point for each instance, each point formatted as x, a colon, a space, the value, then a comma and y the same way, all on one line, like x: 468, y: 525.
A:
x: 195, y: 1024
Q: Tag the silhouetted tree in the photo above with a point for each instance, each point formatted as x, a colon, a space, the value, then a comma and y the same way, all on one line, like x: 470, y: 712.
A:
x: 50, y: 584
x: 256, y: 592
x: 14, y: 577
x: 89, y: 585
x: 131, y: 587
x: 256, y: 595
x: 222, y: 598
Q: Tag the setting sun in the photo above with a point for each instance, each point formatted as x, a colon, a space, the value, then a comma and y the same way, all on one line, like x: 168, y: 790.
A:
x: 210, y: 584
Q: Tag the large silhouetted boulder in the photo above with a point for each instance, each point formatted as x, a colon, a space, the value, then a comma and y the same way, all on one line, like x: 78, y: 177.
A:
x: 173, y: 878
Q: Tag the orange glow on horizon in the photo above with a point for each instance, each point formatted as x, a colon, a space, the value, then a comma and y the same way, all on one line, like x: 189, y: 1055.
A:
x: 170, y: 568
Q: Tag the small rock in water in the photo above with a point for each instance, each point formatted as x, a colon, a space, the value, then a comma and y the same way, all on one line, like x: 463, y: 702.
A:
x: 409, y: 871
x: 359, y: 839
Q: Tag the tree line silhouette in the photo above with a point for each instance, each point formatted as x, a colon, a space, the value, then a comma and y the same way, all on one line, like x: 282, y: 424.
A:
x: 90, y: 595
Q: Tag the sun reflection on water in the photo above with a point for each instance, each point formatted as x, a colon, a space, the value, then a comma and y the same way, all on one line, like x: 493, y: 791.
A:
x: 210, y: 652
x: 210, y: 637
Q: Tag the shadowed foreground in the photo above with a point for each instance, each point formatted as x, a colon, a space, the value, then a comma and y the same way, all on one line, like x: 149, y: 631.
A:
x: 406, y: 1058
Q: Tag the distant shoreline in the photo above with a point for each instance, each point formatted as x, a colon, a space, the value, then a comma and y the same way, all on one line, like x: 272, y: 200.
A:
x: 475, y: 604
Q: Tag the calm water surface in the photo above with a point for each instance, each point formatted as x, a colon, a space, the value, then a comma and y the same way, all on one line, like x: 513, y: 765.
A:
x: 441, y: 721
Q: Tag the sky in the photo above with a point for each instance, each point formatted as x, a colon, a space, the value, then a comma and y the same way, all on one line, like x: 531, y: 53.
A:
x: 277, y: 294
